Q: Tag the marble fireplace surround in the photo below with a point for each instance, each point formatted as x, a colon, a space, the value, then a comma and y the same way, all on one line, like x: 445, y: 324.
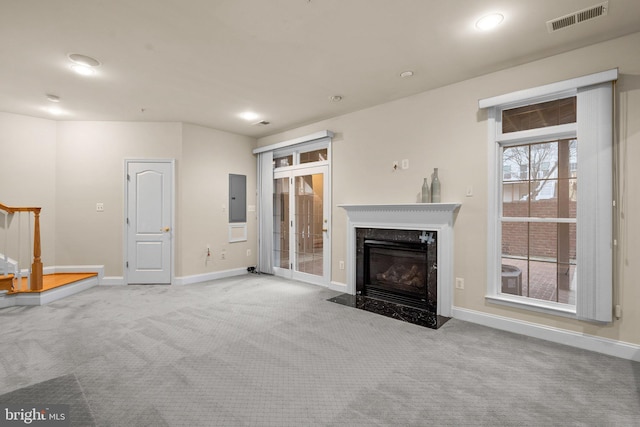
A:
x: 438, y: 217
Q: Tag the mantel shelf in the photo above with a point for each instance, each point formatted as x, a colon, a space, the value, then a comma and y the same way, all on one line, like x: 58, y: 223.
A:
x: 440, y: 207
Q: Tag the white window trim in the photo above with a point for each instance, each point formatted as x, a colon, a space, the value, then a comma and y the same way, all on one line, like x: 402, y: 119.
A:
x: 323, y: 134
x: 593, y: 302
x: 494, y: 234
x: 535, y: 135
x: 550, y: 90
x: 302, y: 148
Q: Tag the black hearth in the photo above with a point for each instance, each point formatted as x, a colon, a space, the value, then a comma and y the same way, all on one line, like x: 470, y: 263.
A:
x: 397, y: 275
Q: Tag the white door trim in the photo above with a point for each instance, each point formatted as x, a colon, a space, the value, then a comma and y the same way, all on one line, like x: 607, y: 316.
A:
x: 125, y: 239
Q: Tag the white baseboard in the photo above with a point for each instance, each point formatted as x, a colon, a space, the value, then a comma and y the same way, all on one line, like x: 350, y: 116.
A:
x: 112, y: 281
x: 183, y: 280
x: 42, y: 298
x: 337, y: 286
x: 68, y: 290
x: 607, y: 346
x: 5, y: 300
x: 199, y: 278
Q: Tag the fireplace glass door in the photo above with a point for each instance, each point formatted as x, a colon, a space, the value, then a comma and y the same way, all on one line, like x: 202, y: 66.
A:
x: 396, y: 271
x: 301, y: 249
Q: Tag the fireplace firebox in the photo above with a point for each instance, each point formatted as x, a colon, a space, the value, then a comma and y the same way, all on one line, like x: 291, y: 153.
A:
x: 399, y: 266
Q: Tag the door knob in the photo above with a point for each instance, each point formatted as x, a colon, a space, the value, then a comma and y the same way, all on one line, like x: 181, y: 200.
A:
x: 166, y: 229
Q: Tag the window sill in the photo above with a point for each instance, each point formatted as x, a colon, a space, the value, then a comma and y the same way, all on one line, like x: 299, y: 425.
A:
x: 546, y: 307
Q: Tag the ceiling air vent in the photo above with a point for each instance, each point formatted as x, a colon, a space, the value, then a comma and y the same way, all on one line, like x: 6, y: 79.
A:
x: 578, y: 17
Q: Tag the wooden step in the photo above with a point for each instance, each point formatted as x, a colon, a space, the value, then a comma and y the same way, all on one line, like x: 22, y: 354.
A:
x: 6, y: 282
x: 56, y: 280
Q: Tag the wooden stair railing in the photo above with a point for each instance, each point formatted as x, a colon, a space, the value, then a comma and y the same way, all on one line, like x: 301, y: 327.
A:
x: 36, y: 265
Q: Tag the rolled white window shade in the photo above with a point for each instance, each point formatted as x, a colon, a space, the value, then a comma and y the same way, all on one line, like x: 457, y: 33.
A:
x: 265, y: 212
x: 594, y: 237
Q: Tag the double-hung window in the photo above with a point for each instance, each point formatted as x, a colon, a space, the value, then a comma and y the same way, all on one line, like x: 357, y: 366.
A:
x: 550, y: 198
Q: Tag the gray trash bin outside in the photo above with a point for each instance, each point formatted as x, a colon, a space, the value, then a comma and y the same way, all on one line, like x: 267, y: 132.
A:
x: 511, y: 280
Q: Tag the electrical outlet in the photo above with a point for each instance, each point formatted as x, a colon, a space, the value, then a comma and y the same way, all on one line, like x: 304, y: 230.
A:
x: 99, y: 207
x: 341, y: 265
x: 223, y: 255
x: 405, y: 164
x: 459, y: 283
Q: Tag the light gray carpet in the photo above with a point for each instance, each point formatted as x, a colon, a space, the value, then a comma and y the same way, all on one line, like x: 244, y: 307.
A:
x: 65, y: 390
x: 259, y: 351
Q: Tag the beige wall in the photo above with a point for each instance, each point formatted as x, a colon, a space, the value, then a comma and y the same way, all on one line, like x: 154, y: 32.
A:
x: 27, y: 177
x: 74, y: 165
x: 90, y: 169
x: 444, y: 128
x: 208, y: 157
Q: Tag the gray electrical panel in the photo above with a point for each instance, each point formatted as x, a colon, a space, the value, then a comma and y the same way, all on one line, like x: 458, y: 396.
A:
x: 237, y: 198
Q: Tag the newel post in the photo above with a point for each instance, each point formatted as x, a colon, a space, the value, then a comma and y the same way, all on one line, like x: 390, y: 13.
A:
x: 36, y: 267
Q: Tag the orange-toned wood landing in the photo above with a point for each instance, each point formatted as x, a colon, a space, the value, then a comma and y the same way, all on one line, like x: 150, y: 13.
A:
x: 6, y: 282
x: 51, y: 281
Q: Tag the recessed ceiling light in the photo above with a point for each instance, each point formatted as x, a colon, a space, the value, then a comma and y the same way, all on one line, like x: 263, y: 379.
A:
x: 249, y: 116
x: 83, y: 64
x: 406, y: 74
x: 78, y: 58
x: 53, y: 98
x: 335, y: 98
x: 55, y: 111
x: 489, y: 22
x: 83, y: 70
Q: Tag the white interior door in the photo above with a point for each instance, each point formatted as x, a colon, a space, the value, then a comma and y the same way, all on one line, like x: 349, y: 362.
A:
x: 149, y: 222
x: 301, y: 224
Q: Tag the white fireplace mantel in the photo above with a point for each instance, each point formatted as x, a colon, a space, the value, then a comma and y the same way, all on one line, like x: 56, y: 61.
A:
x: 410, y: 216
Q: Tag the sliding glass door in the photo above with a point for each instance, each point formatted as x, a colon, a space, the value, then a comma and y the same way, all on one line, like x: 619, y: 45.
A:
x: 301, y: 224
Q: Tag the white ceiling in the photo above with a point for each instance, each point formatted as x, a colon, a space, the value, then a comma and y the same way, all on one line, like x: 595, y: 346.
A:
x: 206, y: 61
